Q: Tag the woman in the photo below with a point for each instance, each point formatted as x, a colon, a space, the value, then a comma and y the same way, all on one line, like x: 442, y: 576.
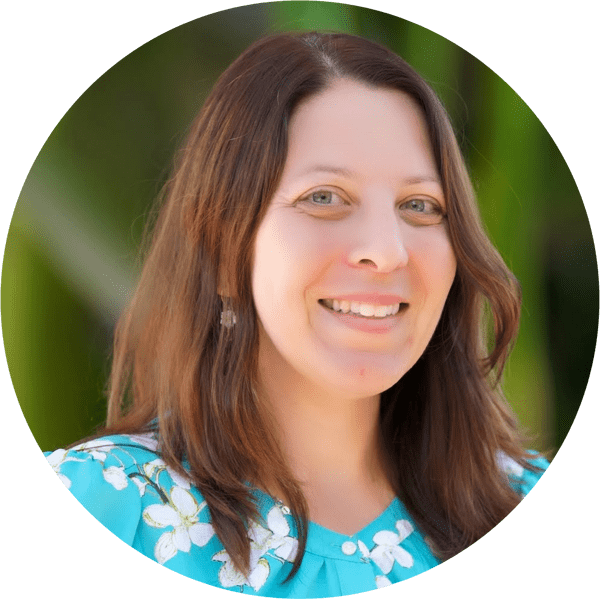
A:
x: 303, y: 401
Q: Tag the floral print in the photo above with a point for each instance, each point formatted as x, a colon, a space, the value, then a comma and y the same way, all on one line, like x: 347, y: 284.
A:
x: 116, y: 477
x: 181, y: 513
x: 262, y: 540
x: 125, y: 483
x: 387, y: 548
x: 112, y: 475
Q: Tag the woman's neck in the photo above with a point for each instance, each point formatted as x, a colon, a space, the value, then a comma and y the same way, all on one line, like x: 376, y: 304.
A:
x: 339, y: 440
x: 332, y: 447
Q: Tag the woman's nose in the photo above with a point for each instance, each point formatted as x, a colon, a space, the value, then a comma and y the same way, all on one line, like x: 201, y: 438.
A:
x: 380, y: 242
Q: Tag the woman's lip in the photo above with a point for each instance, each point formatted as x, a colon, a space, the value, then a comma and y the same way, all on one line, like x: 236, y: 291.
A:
x: 366, y: 324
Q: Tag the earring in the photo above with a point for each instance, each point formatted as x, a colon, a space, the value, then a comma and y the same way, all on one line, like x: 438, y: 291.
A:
x: 228, y: 318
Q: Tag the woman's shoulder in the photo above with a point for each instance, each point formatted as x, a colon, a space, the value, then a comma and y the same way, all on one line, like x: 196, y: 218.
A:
x: 119, y: 477
x: 114, y: 456
x: 523, y: 477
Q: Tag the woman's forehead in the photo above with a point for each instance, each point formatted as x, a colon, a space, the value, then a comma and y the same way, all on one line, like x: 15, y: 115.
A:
x: 354, y: 130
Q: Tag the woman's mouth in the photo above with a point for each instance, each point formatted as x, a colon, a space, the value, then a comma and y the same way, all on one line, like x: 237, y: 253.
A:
x: 362, y: 309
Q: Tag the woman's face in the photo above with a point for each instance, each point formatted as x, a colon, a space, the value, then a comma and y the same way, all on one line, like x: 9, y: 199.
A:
x: 358, y: 212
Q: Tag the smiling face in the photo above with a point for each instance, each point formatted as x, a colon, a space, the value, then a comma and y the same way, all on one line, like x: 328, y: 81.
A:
x: 359, y: 210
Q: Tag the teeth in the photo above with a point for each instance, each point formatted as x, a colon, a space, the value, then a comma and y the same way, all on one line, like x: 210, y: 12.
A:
x: 380, y: 311
x: 367, y: 310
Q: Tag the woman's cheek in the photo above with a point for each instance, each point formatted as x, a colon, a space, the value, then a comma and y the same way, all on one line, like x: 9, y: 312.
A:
x: 437, y: 245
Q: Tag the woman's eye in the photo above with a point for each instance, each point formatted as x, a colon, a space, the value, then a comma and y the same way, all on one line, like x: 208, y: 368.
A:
x: 417, y: 205
x: 321, y: 197
x: 423, y: 209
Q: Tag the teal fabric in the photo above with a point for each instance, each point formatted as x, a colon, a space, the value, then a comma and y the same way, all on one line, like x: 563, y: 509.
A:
x: 123, y: 482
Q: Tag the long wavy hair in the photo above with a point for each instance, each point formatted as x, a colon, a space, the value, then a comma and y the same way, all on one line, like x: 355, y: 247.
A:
x: 443, y: 424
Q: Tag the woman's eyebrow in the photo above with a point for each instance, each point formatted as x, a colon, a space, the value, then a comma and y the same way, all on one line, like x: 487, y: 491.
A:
x: 349, y: 174
x: 422, y: 179
x: 328, y: 168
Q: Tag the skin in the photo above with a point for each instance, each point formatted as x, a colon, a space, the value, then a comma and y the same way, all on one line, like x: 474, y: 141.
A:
x: 321, y: 379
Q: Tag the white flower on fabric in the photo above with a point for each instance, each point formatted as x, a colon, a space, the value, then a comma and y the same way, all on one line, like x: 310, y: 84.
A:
x: 182, y: 514
x: 180, y: 481
x: 230, y: 576
x: 285, y: 546
x: 262, y: 540
x: 150, y: 469
x: 166, y: 547
x: 259, y: 568
x: 382, y: 581
x: 116, y: 477
x: 259, y: 574
x: 508, y: 465
x: 97, y: 448
x: 364, y: 550
x: 388, y: 548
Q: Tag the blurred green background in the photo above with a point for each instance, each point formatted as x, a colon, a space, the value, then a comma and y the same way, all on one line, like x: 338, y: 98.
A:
x: 71, y: 253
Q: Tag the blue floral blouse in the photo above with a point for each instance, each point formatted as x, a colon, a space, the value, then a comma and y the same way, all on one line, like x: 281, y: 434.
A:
x: 122, y: 482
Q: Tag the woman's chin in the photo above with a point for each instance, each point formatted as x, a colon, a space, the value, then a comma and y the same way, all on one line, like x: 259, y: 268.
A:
x: 362, y: 380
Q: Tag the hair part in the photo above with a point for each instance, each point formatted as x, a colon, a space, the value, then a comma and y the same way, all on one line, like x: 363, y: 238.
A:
x: 443, y: 423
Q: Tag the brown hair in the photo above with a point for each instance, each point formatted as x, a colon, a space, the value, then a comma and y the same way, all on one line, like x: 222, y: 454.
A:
x: 443, y: 423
